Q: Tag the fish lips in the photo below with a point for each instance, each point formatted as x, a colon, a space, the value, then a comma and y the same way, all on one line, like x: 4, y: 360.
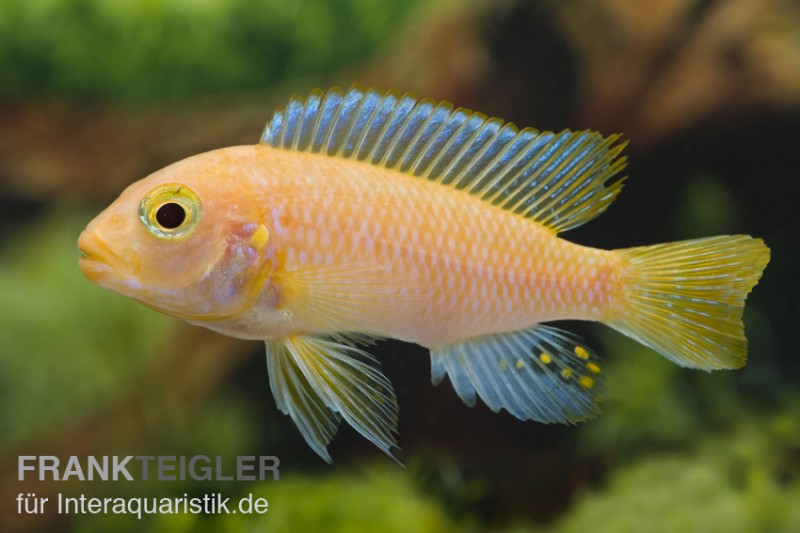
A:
x: 97, y: 261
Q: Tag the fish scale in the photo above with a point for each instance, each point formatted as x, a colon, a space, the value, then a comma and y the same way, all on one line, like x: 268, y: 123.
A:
x: 541, y: 283
x: 364, y: 214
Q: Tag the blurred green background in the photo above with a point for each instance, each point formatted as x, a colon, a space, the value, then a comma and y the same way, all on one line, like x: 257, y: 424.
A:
x: 96, y: 94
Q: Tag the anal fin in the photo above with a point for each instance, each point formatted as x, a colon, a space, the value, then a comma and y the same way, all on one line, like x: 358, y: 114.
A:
x: 543, y: 373
x: 318, y: 381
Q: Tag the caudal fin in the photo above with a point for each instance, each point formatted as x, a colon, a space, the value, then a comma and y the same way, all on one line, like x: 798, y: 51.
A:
x: 685, y: 299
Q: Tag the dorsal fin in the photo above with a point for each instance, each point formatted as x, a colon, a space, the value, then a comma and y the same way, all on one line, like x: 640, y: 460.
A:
x: 556, y: 179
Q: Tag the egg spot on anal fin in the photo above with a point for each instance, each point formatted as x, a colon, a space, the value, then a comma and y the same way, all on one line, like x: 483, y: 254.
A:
x: 548, y: 383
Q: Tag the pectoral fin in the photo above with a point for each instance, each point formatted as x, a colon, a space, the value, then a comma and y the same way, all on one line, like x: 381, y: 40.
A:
x: 360, y: 297
x: 318, y: 381
x: 542, y: 374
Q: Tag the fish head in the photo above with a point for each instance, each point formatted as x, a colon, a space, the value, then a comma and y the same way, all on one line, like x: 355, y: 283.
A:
x: 188, y: 240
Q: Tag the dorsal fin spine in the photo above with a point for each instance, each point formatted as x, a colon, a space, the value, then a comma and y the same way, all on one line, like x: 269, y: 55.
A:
x: 386, y: 139
x: 304, y: 133
x: 350, y: 125
x: 441, y: 157
x: 583, y: 203
x: 530, y: 171
x: 496, y: 149
x: 396, y: 135
x: 320, y: 97
x: 412, y: 134
x: 549, y: 166
x: 577, y: 185
x: 339, y: 127
x: 423, y: 113
x: 426, y: 132
x: 428, y: 151
x: 558, y: 180
x: 495, y: 192
x: 388, y: 101
x: 500, y: 173
x: 290, y: 119
x: 483, y: 159
x: 557, y: 163
x: 615, y: 166
x: 362, y: 139
x: 460, y: 117
x: 545, y: 204
x: 332, y: 98
x: 442, y: 121
x: 462, y: 154
x: 538, y: 160
x: 354, y: 128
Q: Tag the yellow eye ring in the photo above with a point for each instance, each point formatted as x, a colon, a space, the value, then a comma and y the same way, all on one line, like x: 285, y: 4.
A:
x: 171, y: 211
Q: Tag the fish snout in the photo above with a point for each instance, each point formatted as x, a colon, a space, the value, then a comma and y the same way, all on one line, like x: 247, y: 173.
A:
x: 97, y: 259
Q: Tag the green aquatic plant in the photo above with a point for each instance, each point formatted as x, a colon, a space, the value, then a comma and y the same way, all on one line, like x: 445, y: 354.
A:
x: 739, y: 482
x: 386, y: 499
x: 159, y: 50
x: 66, y: 347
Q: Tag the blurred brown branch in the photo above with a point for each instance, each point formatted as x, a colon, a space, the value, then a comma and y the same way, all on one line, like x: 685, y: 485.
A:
x: 651, y: 68
x: 49, y: 150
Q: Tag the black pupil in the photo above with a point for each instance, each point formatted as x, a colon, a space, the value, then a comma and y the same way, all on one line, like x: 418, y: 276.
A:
x: 170, y: 215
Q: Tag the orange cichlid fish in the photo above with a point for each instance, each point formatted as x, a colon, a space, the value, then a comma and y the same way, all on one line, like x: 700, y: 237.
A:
x: 364, y: 214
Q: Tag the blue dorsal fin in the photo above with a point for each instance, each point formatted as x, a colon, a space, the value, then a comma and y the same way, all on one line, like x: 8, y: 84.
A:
x: 556, y: 179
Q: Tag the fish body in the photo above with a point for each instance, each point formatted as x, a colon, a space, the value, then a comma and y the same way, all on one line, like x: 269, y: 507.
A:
x: 461, y: 268
x: 363, y: 215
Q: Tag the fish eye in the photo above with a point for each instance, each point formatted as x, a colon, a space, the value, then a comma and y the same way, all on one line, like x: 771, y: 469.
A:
x: 170, y: 211
x: 170, y: 215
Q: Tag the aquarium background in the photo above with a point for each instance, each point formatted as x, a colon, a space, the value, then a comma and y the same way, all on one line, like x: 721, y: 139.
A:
x: 96, y: 94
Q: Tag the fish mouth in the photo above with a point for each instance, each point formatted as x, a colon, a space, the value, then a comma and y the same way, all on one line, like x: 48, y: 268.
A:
x: 97, y: 260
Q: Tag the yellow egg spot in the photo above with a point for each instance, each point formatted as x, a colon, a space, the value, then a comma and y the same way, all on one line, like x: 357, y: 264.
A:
x: 260, y: 237
x: 586, y: 382
x: 581, y: 352
x: 520, y: 364
x: 593, y: 368
x: 503, y: 364
x: 546, y: 358
x: 566, y: 373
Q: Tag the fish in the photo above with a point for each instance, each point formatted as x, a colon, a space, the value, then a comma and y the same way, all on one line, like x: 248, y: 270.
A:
x: 364, y: 214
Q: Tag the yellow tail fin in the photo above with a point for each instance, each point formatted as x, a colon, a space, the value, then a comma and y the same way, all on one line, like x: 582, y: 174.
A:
x: 685, y: 299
